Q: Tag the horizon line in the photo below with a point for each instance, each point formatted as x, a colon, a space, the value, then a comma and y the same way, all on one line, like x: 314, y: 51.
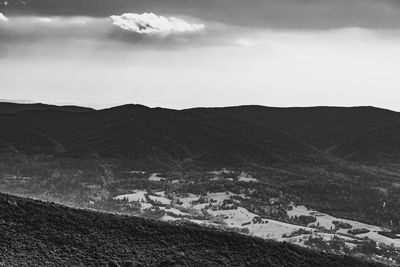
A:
x: 97, y: 107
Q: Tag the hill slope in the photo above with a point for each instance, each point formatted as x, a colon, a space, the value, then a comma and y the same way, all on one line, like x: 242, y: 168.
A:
x: 34, y: 233
x: 322, y: 127
x: 15, y: 137
x: 378, y: 145
x: 156, y: 137
x: 213, y: 137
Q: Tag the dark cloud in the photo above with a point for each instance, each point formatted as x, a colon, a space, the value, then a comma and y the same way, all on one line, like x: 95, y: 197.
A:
x: 263, y: 13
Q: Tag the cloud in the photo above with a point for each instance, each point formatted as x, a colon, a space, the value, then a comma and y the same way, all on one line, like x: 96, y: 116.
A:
x: 3, y: 18
x: 323, y: 66
x: 149, y: 23
x: 282, y: 14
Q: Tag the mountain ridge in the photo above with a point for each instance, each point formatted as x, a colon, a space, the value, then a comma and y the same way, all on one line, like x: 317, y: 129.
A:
x: 10, y: 108
x: 142, y: 133
x: 320, y: 130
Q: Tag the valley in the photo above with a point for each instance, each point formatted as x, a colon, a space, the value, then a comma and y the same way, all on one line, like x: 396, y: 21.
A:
x: 227, y: 200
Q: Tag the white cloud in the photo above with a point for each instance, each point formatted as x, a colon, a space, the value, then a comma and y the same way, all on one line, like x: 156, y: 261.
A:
x: 3, y: 18
x: 148, y: 23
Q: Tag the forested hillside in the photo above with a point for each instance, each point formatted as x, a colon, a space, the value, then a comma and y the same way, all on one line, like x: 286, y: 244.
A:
x: 34, y: 233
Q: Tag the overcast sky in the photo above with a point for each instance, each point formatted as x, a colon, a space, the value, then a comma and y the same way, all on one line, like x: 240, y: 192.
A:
x: 186, y: 53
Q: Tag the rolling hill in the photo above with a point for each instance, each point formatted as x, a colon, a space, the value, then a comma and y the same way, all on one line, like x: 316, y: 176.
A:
x: 34, y: 233
x: 203, y: 136
x: 378, y: 145
x: 325, y: 128
x: 16, y: 138
x: 161, y: 136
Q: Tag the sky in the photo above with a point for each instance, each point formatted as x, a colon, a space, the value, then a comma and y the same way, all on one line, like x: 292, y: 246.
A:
x: 187, y: 53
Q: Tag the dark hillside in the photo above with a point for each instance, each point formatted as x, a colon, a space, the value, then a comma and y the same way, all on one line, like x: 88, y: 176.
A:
x: 378, y: 145
x: 322, y: 127
x: 223, y: 142
x: 223, y: 136
x: 165, y: 137
x: 51, y: 122
x: 34, y: 233
x: 16, y: 138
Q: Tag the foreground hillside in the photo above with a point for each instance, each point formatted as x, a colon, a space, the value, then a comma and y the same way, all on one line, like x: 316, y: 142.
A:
x: 34, y: 233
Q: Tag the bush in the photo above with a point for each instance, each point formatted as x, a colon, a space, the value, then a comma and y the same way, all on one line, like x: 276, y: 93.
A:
x: 358, y: 231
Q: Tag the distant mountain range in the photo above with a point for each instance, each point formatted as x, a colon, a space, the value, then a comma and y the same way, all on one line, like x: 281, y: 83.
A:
x: 9, y: 108
x: 208, y: 136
